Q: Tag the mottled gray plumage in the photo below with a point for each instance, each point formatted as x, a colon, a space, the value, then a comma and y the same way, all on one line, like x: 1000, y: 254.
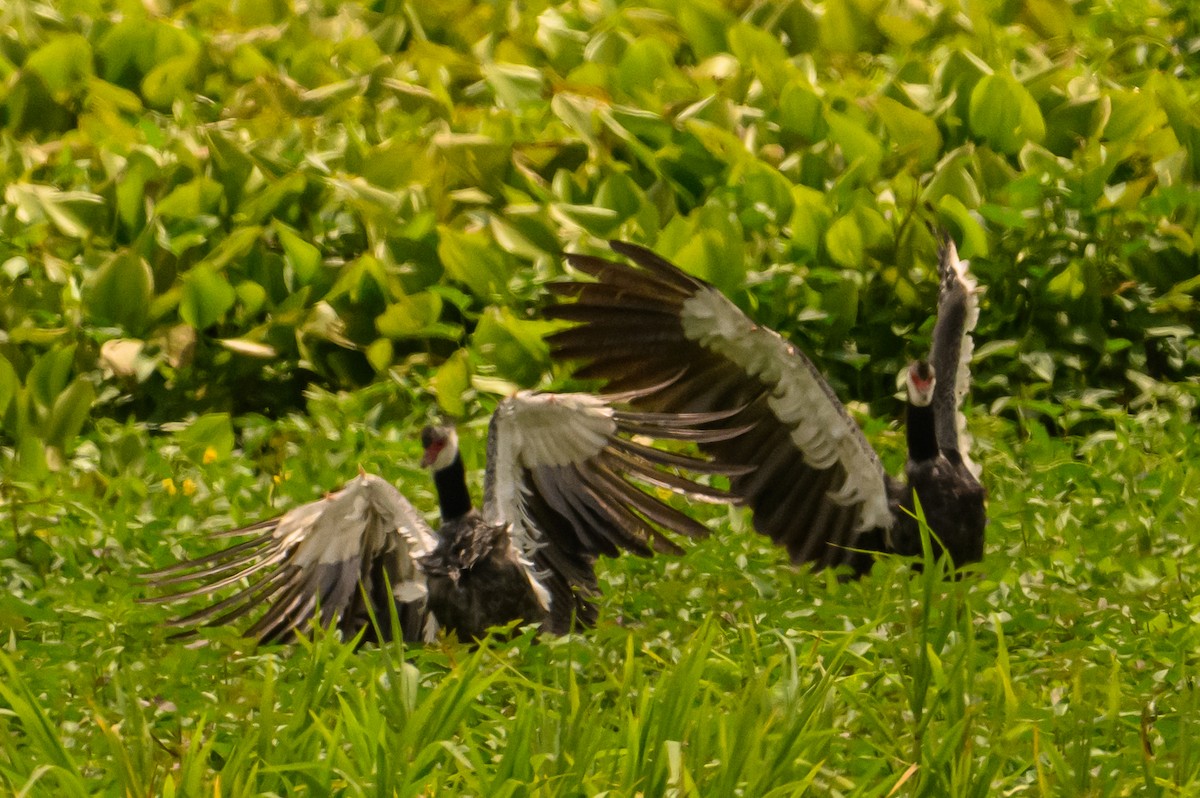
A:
x: 334, y: 560
x: 812, y: 480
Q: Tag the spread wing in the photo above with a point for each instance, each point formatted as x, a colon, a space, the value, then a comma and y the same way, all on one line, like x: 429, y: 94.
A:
x: 564, y: 471
x: 329, y: 560
x: 958, y: 311
x: 815, y: 482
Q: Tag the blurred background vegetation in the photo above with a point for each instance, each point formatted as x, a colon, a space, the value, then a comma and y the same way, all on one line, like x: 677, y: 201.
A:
x: 247, y: 246
x: 209, y: 207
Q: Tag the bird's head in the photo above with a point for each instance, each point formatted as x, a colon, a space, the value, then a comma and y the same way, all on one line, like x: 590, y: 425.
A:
x: 441, y: 447
x: 920, y: 381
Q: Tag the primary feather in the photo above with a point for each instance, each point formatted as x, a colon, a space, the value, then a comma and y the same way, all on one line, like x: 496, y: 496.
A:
x: 813, y: 481
x: 565, y: 483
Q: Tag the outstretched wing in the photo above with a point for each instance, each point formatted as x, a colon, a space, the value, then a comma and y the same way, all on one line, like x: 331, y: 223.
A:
x: 958, y: 311
x: 563, y: 473
x: 815, y: 482
x: 334, y: 560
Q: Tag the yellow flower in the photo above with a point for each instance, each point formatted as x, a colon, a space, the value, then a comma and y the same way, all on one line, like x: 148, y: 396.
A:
x: 210, y: 455
x: 169, y: 486
x: 189, y: 487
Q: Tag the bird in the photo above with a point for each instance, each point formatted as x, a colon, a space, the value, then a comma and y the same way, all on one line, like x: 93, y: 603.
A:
x: 812, y: 481
x: 562, y: 487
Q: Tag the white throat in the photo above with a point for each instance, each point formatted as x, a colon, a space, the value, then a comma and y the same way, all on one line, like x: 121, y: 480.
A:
x: 919, y: 395
x: 447, y: 453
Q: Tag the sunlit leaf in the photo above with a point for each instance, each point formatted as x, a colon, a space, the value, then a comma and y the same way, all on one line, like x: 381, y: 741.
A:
x: 410, y: 316
x: 9, y: 385
x: 910, y: 130
x: 48, y: 376
x: 206, y: 297
x: 249, y: 348
x: 802, y: 111
x: 845, y: 242
x: 210, y: 431
x: 1004, y: 113
x: 450, y: 382
x: 120, y: 290
x: 64, y: 62
x: 513, y: 345
x: 473, y: 261
x: 69, y: 413
x: 516, y: 85
x: 303, y: 258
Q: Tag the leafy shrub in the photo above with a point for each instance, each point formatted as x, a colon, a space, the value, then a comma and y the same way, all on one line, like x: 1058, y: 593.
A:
x: 214, y: 207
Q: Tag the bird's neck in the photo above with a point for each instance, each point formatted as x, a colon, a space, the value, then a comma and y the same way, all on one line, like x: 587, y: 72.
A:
x: 451, y: 482
x: 922, y: 437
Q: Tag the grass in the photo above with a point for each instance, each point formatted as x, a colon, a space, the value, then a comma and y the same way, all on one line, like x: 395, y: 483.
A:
x: 1065, y: 665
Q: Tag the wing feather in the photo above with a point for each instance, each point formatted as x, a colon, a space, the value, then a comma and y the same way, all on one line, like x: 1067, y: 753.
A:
x: 322, y: 561
x: 566, y: 478
x: 953, y: 346
x: 798, y: 437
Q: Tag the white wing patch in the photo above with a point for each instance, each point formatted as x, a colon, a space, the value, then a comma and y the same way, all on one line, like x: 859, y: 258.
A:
x: 798, y: 399
x: 354, y: 523
x: 540, y: 429
x: 552, y: 429
x: 529, y: 430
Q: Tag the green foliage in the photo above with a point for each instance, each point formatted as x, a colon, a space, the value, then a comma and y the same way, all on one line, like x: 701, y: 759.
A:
x: 1064, y: 664
x: 218, y: 206
x: 215, y: 211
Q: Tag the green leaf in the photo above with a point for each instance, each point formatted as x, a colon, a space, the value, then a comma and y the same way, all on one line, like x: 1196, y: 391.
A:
x: 191, y: 199
x: 48, y: 376
x: 209, y: 437
x: 1069, y: 283
x: 974, y: 237
x: 233, y: 247
x: 206, y: 296
x: 119, y: 292
x: 514, y: 346
x: 64, y: 63
x: 843, y: 27
x: 10, y: 383
x: 474, y: 261
x: 380, y: 354
x: 600, y: 222
x: 620, y: 194
x: 516, y: 85
x: 858, y: 145
x: 303, y: 258
x: 953, y: 177
x: 170, y: 80
x: 801, y: 111
x: 709, y: 244
x: 1004, y: 113
x: 451, y: 382
x: 809, y: 220
x: 705, y: 25
x: 251, y: 296
x: 646, y: 64
x: 845, y: 242
x: 763, y: 52
x: 37, y: 203
x: 767, y: 191
x: 1132, y: 114
x: 410, y: 316
x: 911, y: 131
x: 1183, y: 118
x: 68, y: 414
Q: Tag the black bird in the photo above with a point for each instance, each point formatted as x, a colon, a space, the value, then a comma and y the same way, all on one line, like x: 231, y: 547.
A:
x: 556, y: 496
x: 813, y: 481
